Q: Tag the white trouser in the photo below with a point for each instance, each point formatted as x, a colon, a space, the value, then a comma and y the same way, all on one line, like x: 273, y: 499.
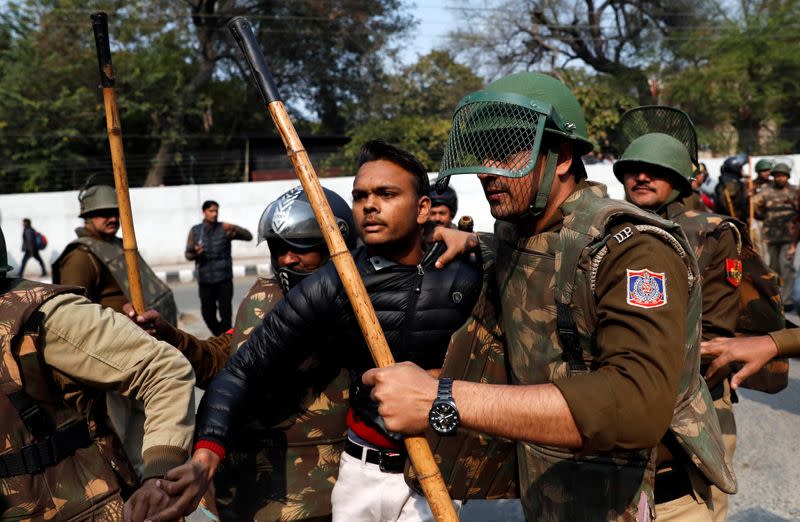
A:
x: 364, y: 493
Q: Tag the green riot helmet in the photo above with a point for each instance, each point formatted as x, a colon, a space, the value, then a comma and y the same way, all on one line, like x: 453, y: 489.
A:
x: 97, y: 197
x: 659, y: 154
x: 781, y: 168
x: 499, y: 131
x: 762, y: 165
x: 4, y: 266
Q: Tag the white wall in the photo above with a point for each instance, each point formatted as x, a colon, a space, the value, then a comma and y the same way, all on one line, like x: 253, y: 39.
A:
x: 163, y: 215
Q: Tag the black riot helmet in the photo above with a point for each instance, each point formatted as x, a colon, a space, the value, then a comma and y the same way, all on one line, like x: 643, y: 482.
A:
x: 733, y: 166
x: 290, y: 220
x: 446, y: 197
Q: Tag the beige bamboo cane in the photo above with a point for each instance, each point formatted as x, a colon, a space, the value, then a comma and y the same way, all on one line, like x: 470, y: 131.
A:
x: 102, y: 43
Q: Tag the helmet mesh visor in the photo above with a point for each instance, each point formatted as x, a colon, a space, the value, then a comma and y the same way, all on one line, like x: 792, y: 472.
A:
x: 666, y: 120
x: 491, y: 137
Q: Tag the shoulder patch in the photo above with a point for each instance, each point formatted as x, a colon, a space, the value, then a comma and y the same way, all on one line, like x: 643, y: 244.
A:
x: 733, y: 271
x: 623, y: 234
x: 646, y: 289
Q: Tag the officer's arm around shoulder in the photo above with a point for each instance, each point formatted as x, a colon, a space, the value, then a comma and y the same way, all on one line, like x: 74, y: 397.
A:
x: 640, y: 338
x: 105, y: 350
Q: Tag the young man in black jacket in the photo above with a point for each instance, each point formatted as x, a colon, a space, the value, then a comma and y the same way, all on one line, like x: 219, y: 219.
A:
x: 418, y: 306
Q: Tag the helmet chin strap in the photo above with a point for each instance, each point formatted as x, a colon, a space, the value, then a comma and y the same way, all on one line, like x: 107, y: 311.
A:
x: 672, y: 197
x: 543, y: 191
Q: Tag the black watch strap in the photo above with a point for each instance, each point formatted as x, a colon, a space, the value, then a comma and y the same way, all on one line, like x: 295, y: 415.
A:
x: 445, y: 392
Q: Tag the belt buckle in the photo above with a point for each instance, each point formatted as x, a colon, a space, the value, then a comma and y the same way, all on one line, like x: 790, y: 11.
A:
x: 388, y: 461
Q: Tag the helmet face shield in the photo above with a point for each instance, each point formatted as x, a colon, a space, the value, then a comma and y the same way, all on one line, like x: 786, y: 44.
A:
x: 496, y: 133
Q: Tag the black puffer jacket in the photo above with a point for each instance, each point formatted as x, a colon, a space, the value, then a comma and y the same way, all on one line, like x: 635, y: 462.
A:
x: 419, y: 307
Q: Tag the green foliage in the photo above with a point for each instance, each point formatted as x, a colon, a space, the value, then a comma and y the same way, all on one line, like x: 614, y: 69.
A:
x: 737, y: 79
x: 185, y: 97
x: 414, y: 110
x: 603, y: 102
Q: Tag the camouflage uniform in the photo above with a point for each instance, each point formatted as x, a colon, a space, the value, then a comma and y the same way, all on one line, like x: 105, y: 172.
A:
x: 285, y: 471
x: 74, y: 466
x: 717, y: 245
x: 778, y: 210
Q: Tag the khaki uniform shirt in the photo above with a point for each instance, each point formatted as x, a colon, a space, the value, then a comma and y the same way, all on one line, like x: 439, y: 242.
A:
x: 720, y: 295
x: 81, y: 268
x: 641, y: 351
x: 105, y: 350
x: 787, y: 341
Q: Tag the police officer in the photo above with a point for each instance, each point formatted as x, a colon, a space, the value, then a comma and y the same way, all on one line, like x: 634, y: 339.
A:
x: 730, y: 196
x: 656, y: 171
x: 95, y: 261
x: 280, y: 468
x: 763, y: 168
x: 61, y: 459
x: 444, y: 206
x: 776, y: 206
x: 599, y: 302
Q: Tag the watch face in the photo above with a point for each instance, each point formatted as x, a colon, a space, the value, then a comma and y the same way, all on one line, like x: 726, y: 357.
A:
x: 443, y: 417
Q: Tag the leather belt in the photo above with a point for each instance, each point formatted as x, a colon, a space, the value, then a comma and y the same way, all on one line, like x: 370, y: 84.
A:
x: 671, y: 484
x: 389, y: 461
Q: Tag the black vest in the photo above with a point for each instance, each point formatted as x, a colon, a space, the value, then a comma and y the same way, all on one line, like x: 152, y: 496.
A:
x: 214, y: 265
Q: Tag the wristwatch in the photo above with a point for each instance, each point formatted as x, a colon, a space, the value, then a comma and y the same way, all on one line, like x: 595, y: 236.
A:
x: 444, y: 417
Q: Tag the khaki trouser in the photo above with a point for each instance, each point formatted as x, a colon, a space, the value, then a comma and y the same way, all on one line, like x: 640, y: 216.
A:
x: 727, y: 422
x: 683, y: 509
x: 696, y: 507
x: 784, y: 267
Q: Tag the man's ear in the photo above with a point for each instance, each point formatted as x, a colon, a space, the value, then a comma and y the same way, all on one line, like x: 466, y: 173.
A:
x: 423, y: 209
x: 564, y: 158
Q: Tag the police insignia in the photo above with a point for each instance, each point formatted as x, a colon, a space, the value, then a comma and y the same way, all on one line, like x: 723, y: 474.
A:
x: 646, y: 289
x: 733, y: 268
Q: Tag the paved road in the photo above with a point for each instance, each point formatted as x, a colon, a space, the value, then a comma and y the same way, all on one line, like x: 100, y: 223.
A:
x: 767, y: 461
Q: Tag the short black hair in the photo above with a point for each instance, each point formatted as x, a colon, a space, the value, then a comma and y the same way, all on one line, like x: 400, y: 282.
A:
x: 26, y: 221
x: 209, y: 203
x: 375, y: 150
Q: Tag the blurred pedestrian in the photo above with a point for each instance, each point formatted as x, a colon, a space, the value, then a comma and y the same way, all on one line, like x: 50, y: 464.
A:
x: 209, y: 246
x: 32, y: 243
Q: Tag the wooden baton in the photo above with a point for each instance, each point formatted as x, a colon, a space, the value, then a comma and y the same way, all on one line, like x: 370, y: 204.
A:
x: 100, y: 26
x: 419, y: 451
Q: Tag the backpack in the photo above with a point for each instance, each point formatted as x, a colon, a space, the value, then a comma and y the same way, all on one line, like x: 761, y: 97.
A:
x: 41, y: 241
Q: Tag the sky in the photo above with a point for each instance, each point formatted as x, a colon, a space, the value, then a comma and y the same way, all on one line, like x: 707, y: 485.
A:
x: 435, y: 19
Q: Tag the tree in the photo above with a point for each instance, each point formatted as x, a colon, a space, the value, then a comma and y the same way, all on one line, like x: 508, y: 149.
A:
x: 620, y: 38
x: 741, y: 71
x: 414, y: 108
x: 602, y: 101
x: 184, y: 93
